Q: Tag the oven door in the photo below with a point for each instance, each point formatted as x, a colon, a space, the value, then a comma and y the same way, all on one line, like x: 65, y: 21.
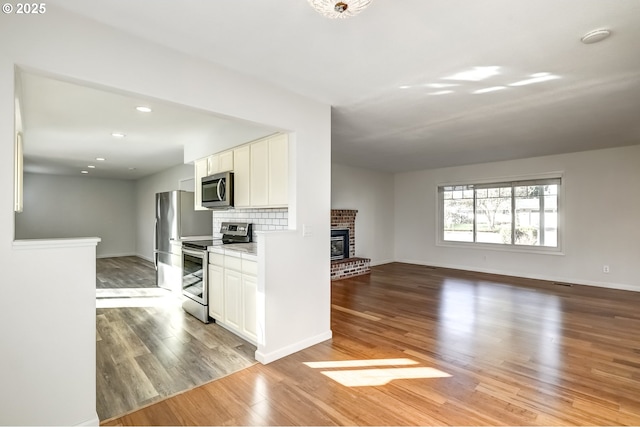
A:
x: 194, y: 275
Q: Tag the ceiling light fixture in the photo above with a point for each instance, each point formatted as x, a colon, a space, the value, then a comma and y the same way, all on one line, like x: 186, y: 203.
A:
x: 595, y: 36
x: 143, y: 109
x: 118, y: 135
x: 84, y: 171
x: 100, y: 159
x: 339, y: 9
x: 91, y: 167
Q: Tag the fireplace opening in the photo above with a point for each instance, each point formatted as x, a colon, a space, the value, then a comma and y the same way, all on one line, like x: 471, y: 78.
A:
x: 339, y: 244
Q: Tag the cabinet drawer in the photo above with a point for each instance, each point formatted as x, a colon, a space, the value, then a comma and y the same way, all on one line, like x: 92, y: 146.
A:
x: 232, y: 263
x: 216, y: 259
x: 249, y: 267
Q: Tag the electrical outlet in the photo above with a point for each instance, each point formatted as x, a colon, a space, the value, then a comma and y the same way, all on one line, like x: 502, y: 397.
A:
x: 605, y: 268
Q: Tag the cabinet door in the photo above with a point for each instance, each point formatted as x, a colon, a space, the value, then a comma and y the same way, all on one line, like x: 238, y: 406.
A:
x: 225, y: 161
x: 249, y: 291
x: 213, y: 164
x: 260, y: 173
x: 216, y: 292
x: 241, y: 176
x: 200, y: 171
x: 233, y: 299
x: 278, y: 170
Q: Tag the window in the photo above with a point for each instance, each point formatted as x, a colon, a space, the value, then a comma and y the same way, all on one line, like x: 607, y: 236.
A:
x: 519, y: 213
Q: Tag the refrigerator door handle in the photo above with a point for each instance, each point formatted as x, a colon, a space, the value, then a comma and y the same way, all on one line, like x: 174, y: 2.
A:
x: 155, y: 245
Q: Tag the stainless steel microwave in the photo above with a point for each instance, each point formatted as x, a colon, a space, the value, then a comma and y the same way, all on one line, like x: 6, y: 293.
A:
x: 217, y: 191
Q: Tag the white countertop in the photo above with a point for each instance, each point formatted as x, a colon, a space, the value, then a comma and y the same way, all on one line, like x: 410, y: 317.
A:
x: 246, y: 250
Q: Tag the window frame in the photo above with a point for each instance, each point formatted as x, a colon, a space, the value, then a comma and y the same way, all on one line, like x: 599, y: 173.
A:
x: 511, y: 247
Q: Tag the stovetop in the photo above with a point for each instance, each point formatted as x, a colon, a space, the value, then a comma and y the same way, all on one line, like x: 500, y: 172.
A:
x: 201, y: 244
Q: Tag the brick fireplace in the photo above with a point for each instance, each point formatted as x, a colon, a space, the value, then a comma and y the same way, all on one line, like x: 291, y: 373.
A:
x: 345, y: 219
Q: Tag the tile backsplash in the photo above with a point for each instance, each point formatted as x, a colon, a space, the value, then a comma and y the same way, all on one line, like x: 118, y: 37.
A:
x: 262, y: 219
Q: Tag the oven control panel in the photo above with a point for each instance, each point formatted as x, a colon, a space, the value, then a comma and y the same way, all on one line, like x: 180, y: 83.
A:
x: 235, y: 228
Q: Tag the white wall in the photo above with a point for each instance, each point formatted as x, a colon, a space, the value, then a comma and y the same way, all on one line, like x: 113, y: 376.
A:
x: 371, y: 193
x: 600, y: 206
x: 64, y: 44
x: 67, y: 206
x: 146, y: 189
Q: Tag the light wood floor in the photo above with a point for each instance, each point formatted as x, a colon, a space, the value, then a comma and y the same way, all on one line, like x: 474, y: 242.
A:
x: 414, y: 345
x: 148, y: 348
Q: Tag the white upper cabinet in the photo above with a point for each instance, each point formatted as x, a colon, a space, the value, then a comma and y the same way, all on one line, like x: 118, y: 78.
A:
x: 279, y: 171
x: 222, y: 162
x: 261, y: 173
x: 241, y: 176
x: 270, y: 172
x: 259, y: 177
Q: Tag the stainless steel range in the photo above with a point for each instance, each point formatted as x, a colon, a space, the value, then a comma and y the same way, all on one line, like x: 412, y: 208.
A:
x: 195, y: 262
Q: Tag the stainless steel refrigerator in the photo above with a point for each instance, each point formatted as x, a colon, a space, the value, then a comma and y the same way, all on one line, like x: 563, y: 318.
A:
x: 175, y: 218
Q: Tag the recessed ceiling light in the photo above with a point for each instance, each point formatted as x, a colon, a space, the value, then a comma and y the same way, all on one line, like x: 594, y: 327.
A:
x: 118, y: 135
x: 84, y: 171
x: 91, y: 166
x: 100, y: 159
x: 595, y: 36
x: 490, y: 89
x: 143, y: 109
x: 404, y: 87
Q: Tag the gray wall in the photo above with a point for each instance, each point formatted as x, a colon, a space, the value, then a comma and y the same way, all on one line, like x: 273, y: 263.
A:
x: 372, y: 194
x: 67, y: 206
x: 599, y: 219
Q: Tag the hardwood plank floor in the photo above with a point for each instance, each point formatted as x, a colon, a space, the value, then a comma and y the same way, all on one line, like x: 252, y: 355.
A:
x: 148, y: 348
x: 415, y: 345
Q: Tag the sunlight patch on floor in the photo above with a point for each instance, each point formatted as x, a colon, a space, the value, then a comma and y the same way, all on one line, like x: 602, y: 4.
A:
x: 135, y: 297
x: 368, y: 377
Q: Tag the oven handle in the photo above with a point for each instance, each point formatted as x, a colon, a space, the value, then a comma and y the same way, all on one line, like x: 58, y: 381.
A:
x: 196, y: 253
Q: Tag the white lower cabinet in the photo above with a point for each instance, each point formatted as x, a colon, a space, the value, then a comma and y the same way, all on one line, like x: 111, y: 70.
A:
x: 249, y: 291
x: 216, y: 292
x: 233, y: 286
x: 233, y: 299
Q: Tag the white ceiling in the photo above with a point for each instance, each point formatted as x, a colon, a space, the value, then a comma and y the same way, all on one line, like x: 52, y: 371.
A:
x: 378, y: 70
x: 67, y: 126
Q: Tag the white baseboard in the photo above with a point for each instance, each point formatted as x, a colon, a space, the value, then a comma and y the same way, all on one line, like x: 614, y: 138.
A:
x: 95, y: 421
x: 115, y: 255
x: 150, y: 259
x: 272, y: 356
x: 385, y: 261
